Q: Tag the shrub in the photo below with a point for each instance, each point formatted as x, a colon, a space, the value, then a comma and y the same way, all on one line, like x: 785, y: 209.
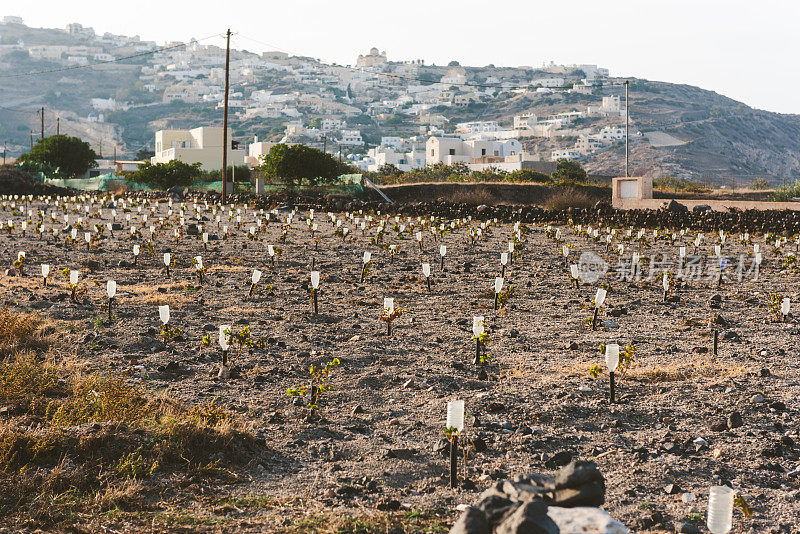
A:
x: 166, y: 175
x: 475, y: 196
x: 786, y: 193
x: 568, y: 198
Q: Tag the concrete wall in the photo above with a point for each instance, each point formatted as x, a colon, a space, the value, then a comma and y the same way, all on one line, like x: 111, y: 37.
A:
x: 716, y: 205
x: 643, y: 199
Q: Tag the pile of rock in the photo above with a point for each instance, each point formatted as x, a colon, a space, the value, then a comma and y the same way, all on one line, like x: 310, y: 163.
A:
x: 15, y: 181
x: 534, y: 504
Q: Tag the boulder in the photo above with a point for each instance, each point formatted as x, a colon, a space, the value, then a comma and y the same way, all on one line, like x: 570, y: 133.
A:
x: 676, y: 207
x: 535, y: 503
x: 701, y: 208
x: 585, y: 520
x: 472, y: 521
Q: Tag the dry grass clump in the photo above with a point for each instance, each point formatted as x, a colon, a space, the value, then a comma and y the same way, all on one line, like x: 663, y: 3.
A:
x: 23, y: 331
x: 474, y: 196
x: 84, y: 444
x: 568, y: 198
x: 686, y: 368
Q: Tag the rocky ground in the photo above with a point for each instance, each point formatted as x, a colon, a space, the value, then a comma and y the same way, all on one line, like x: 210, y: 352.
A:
x: 685, y: 419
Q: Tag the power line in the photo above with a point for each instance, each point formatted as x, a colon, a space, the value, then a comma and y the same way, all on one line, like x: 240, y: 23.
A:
x: 103, y: 62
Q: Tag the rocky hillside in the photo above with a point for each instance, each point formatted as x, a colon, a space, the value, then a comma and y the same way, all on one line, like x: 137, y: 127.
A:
x: 691, y: 132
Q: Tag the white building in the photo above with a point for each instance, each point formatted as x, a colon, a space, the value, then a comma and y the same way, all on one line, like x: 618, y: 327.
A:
x: 525, y: 121
x: 549, y: 82
x: 8, y: 19
x: 612, y: 133
x: 568, y: 154
x: 395, y: 142
x: 404, y: 160
x: 201, y: 145
x: 611, y: 105
x: 351, y: 138
x: 588, y: 144
x: 257, y: 150
x: 331, y: 124
x: 449, y: 150
x: 476, y: 127
x: 373, y: 59
x: 103, y: 104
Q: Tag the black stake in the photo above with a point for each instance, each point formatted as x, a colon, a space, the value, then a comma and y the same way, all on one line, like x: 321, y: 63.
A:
x: 716, y: 341
x: 611, y: 377
x: 224, y: 357
x: 314, y: 294
x: 594, y: 319
x: 252, y: 287
x: 665, y: 295
x: 110, y: 300
x: 503, y: 271
x: 428, y: 280
x: 454, y: 462
x: 496, y: 300
x: 442, y: 263
x: 477, y: 351
x: 389, y: 328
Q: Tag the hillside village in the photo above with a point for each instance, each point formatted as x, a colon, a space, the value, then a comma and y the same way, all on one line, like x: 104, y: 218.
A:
x: 377, y: 112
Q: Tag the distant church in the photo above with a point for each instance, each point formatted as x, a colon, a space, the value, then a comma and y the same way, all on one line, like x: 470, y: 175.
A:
x: 373, y: 58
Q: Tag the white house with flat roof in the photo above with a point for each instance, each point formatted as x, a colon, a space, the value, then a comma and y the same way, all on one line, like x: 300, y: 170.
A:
x: 351, y: 138
x: 257, y: 150
x: 403, y: 160
x: 449, y: 150
x: 200, y: 145
x: 568, y: 154
x: 525, y: 121
x: 475, y: 127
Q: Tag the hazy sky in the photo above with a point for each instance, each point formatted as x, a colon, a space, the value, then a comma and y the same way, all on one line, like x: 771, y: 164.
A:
x: 743, y: 49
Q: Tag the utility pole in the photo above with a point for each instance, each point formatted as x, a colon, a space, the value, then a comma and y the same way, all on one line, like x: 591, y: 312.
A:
x: 31, y: 139
x: 58, y: 125
x: 225, y: 120
x: 627, y: 126
x: 4, y: 152
x: 42, y: 112
x: 324, y: 144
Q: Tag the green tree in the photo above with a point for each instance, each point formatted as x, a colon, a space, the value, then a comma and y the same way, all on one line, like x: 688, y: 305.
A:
x: 144, y: 154
x: 569, y: 170
x: 71, y: 155
x: 297, y: 164
x: 166, y: 175
x: 389, y: 169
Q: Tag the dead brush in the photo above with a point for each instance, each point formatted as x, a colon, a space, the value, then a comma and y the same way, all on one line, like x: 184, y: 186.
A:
x: 63, y: 469
x: 22, y: 331
x: 568, y: 198
x: 474, y: 196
